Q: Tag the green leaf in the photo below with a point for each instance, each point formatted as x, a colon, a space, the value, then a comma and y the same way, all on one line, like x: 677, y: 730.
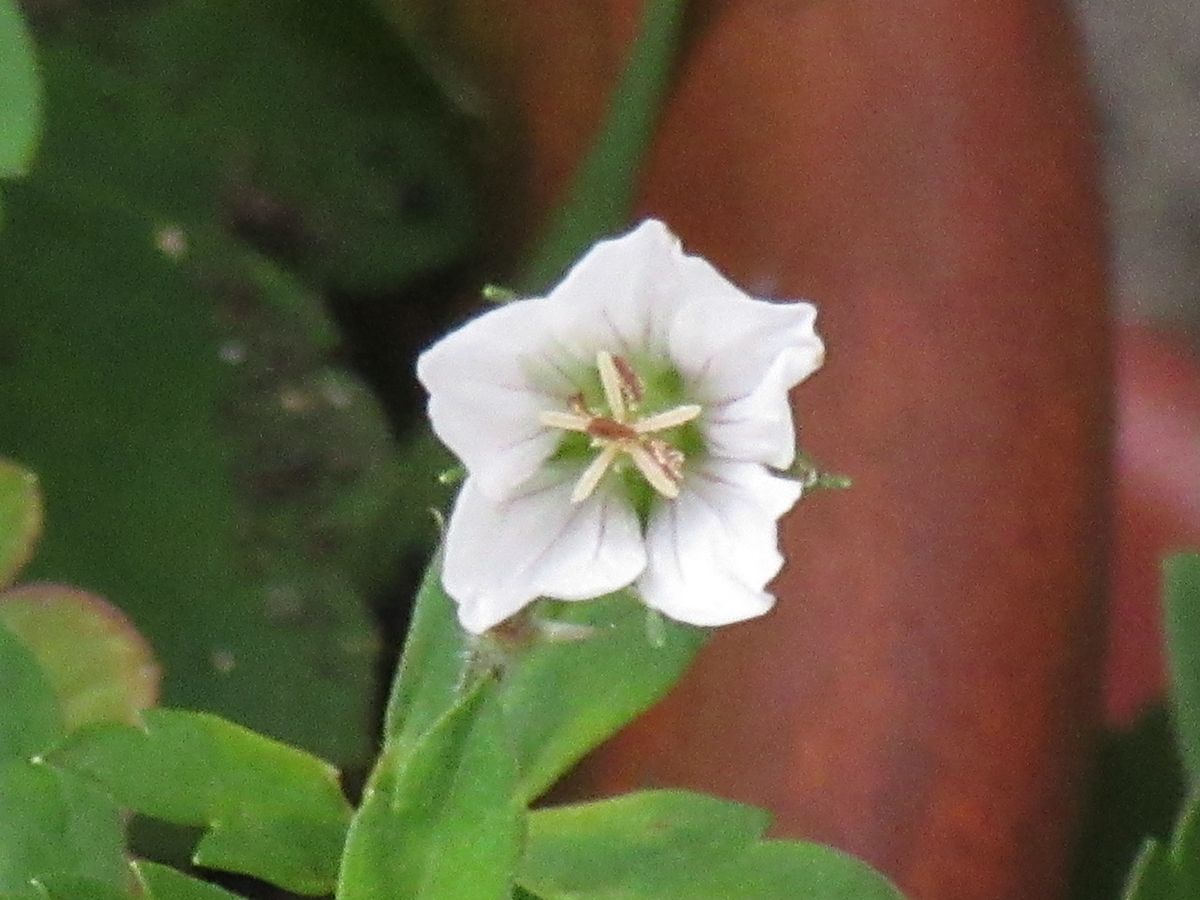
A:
x: 20, y: 519
x: 1171, y: 872
x: 102, y: 670
x: 1182, y: 620
x: 20, y: 93
x: 674, y: 845
x: 51, y: 823
x: 31, y: 721
x: 602, y: 193
x: 439, y: 820
x: 160, y: 882
x: 1162, y: 873
x: 1185, y: 850
x: 564, y: 698
x: 434, y: 668
x: 1137, y: 790
x: 561, y: 698
x: 271, y: 811
x: 75, y: 887
x: 56, y: 824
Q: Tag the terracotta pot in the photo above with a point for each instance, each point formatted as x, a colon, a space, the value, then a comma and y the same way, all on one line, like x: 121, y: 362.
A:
x: 925, y: 692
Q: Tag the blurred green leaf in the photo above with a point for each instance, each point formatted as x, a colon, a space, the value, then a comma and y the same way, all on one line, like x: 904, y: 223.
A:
x: 561, y: 697
x: 675, y: 845
x: 1137, y: 790
x: 308, y: 123
x: 20, y: 94
x: 1169, y: 872
x: 414, y: 520
x: 272, y: 811
x: 212, y: 466
x: 102, y: 670
x: 439, y: 819
x: 164, y: 883
x: 1181, y: 616
x: 1172, y: 872
x: 602, y: 192
x: 119, y: 362
x: 20, y: 519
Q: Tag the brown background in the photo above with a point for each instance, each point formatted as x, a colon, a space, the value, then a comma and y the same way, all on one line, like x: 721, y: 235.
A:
x: 924, y: 693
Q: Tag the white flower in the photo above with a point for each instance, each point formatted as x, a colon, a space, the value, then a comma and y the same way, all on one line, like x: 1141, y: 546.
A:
x: 622, y: 430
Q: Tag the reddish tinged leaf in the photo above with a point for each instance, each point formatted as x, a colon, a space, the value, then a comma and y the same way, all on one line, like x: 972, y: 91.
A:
x: 101, y: 668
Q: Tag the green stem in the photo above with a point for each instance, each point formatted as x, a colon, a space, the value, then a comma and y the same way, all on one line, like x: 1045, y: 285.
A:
x: 601, y: 197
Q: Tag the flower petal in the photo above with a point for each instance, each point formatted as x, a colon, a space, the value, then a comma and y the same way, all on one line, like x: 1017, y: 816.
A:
x: 742, y: 371
x: 726, y: 342
x: 487, y: 388
x: 501, y: 556
x: 711, y: 552
x: 622, y: 295
x: 758, y: 427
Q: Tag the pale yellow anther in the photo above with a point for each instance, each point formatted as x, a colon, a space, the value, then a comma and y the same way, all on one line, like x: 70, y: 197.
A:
x: 610, y: 380
x: 591, y: 476
x: 672, y: 418
x: 654, y: 473
x: 553, y: 418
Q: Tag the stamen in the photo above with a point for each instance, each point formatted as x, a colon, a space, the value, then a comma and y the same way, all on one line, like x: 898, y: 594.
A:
x: 591, y: 476
x: 579, y: 406
x: 670, y: 458
x: 620, y: 431
x: 553, y: 418
x: 610, y: 380
x: 653, y: 471
x: 680, y: 415
x: 631, y: 382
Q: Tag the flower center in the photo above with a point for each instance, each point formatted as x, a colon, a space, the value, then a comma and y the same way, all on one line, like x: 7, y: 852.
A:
x: 620, y: 431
